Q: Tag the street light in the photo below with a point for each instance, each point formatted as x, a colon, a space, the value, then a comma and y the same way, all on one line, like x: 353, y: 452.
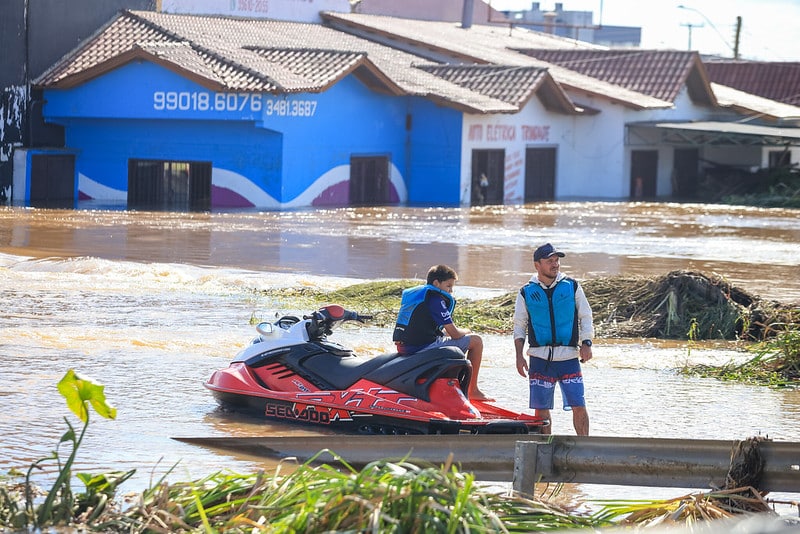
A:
x: 734, y: 49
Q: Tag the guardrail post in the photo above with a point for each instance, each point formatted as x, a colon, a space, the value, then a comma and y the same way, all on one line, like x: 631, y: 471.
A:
x: 532, y: 460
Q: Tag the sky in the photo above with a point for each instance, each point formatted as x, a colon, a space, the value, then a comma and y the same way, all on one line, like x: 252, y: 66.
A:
x: 770, y: 28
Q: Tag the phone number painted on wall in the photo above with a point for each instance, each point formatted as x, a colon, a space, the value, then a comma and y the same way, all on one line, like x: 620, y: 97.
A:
x: 201, y: 101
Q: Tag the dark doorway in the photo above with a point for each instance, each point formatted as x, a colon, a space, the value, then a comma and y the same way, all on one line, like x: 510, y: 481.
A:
x: 169, y: 185
x: 488, y: 177
x: 686, y: 173
x: 644, y: 167
x: 540, y: 174
x: 52, y: 181
x: 369, y: 181
x: 779, y: 159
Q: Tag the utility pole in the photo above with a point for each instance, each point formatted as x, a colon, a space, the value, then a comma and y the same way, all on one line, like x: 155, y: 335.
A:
x: 736, y: 36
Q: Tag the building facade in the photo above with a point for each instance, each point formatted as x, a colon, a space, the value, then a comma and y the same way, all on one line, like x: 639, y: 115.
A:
x: 197, y: 112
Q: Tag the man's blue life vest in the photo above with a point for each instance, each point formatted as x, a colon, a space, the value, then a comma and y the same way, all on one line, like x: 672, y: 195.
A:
x: 552, y: 314
x: 415, y: 326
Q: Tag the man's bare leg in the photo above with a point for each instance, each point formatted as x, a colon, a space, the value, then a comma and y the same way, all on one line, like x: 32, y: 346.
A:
x: 545, y: 414
x: 580, y: 420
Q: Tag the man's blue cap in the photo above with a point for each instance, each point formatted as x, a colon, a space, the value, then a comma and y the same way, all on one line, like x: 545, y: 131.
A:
x: 545, y: 251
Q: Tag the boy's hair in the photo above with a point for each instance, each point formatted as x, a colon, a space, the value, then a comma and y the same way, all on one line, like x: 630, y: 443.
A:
x: 441, y: 273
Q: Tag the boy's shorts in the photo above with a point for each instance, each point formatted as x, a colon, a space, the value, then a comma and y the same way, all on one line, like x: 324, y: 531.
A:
x: 543, y: 377
x: 462, y: 343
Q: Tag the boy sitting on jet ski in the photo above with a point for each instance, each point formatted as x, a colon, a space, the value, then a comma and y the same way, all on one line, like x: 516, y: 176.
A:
x: 425, y: 321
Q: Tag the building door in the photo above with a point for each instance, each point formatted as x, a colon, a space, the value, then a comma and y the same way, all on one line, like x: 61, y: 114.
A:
x: 169, y: 185
x: 540, y: 174
x: 644, y: 167
x: 686, y: 173
x: 488, y: 177
x: 52, y: 181
x: 369, y: 181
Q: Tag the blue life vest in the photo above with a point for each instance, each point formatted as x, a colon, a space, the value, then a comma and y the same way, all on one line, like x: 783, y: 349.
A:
x: 552, y: 314
x: 415, y: 326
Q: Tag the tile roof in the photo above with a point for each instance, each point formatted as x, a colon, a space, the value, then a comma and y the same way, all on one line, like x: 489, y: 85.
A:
x: 777, y: 81
x: 234, y: 54
x: 320, y: 67
x: 658, y: 73
x: 515, y: 85
x: 201, y: 48
x: 487, y: 44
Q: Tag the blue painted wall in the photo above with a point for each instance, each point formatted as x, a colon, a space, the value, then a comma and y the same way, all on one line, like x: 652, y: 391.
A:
x: 435, y: 162
x: 267, y: 151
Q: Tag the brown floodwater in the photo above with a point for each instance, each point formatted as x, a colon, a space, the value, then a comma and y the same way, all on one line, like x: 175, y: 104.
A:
x: 149, y: 304
x: 756, y: 248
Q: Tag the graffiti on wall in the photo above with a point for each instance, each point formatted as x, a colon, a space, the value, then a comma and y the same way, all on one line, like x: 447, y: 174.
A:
x: 514, y: 186
x: 12, y: 119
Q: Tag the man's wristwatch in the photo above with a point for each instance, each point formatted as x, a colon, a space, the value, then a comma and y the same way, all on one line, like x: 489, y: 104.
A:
x: 587, y: 342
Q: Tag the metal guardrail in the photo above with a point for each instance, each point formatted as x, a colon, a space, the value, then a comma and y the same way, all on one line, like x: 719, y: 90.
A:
x: 525, y: 460
x: 663, y: 463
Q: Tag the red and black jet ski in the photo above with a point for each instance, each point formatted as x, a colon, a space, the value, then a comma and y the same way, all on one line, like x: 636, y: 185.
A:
x: 291, y: 372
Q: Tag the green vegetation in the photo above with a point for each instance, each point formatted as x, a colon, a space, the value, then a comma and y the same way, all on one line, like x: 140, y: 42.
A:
x: 60, y: 505
x: 666, y: 307
x: 679, y: 305
x: 382, y: 497
x: 776, y: 363
x: 776, y: 189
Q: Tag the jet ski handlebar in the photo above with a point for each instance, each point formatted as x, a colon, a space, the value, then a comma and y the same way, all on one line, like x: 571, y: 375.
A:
x: 323, y: 321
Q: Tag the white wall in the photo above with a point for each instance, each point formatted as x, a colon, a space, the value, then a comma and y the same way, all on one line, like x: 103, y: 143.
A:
x: 590, y: 149
x: 592, y: 158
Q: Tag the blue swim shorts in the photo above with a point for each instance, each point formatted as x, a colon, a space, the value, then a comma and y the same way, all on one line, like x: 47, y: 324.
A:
x: 543, y: 377
x: 462, y: 343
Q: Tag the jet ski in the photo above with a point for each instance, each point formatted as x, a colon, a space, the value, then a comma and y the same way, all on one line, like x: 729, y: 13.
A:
x: 292, y: 372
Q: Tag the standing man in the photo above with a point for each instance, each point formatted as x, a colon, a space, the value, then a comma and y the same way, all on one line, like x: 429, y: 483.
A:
x: 552, y: 311
x: 425, y: 321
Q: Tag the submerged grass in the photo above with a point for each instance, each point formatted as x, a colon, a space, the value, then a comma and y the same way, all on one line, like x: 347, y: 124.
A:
x: 679, y: 305
x: 671, y: 306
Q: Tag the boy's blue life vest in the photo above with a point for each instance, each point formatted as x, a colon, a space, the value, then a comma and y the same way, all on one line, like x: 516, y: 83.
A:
x: 552, y: 314
x: 415, y: 326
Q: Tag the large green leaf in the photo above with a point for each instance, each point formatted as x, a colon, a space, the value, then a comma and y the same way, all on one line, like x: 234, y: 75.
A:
x: 78, y: 391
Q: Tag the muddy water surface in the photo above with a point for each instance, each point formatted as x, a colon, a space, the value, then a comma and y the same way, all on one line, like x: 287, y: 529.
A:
x: 150, y: 304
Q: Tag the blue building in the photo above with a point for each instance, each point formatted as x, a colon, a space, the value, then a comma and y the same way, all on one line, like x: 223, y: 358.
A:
x: 190, y: 112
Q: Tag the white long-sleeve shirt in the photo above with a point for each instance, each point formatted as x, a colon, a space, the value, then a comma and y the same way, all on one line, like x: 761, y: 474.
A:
x: 560, y: 353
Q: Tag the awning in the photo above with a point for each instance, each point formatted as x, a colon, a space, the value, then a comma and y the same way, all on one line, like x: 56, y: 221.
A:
x: 712, y: 133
